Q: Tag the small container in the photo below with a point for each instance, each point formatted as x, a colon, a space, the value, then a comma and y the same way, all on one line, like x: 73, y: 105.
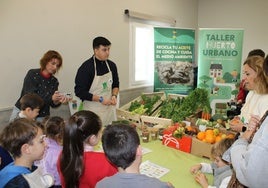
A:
x: 160, y: 133
x: 145, y: 136
x: 143, y: 129
x: 154, y: 134
x: 74, y: 104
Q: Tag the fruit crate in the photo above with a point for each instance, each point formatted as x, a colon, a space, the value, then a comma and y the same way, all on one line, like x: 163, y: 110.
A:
x: 124, y: 113
x: 203, y: 149
x: 200, y: 148
x: 155, y: 122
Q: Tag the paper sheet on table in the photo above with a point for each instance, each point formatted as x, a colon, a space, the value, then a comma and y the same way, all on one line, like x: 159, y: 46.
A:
x: 145, y: 150
x: 152, y: 170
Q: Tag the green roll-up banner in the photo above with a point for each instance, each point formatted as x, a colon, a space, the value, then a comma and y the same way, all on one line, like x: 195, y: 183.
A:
x: 219, y: 65
x: 174, y: 50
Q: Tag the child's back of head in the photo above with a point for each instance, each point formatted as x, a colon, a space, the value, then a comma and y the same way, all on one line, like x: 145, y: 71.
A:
x: 120, y: 143
x: 80, y: 128
x: 220, y: 147
x: 30, y: 105
x: 54, y: 128
x: 31, y: 100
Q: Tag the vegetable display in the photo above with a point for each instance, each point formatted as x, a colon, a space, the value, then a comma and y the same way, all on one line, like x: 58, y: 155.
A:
x: 169, y: 108
x: 179, y: 109
x: 145, y: 106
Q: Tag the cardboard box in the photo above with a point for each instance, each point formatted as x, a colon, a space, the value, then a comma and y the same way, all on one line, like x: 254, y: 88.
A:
x: 200, y: 148
x: 182, y: 144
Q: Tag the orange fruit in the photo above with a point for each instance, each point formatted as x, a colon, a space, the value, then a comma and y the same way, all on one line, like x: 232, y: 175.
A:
x: 209, y: 132
x: 201, y: 135
x: 189, y: 128
x: 218, y: 138
x: 210, y: 138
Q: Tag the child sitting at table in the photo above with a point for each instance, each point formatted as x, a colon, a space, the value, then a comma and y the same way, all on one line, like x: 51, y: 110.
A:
x: 220, y: 169
x: 30, y: 105
x: 24, y: 139
x: 54, y: 128
x: 78, y: 164
x: 121, y: 145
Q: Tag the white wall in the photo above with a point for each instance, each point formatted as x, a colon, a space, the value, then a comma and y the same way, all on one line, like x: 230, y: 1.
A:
x: 28, y: 28
x: 246, y: 14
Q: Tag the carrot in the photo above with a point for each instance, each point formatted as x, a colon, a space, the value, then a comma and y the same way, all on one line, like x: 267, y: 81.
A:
x: 206, y: 118
x: 209, y: 116
x: 203, y: 115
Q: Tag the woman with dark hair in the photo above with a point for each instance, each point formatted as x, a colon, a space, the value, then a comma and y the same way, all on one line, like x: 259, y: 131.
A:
x: 43, y: 82
x: 78, y: 165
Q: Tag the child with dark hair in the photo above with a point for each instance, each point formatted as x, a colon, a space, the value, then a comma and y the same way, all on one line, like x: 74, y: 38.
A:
x: 30, y: 104
x: 121, y: 144
x: 54, y: 128
x: 78, y: 165
x: 220, y: 168
x: 24, y: 139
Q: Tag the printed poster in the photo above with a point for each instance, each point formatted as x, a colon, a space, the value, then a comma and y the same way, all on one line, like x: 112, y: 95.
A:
x: 174, y: 51
x: 219, y: 65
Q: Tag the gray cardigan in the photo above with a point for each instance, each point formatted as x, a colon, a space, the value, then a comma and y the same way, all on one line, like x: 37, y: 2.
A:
x: 250, y: 161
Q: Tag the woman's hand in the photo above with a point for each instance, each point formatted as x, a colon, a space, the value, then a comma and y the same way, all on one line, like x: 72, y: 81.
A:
x: 65, y: 99
x: 253, y: 122
x: 252, y: 125
x: 236, y: 124
x: 58, y: 97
